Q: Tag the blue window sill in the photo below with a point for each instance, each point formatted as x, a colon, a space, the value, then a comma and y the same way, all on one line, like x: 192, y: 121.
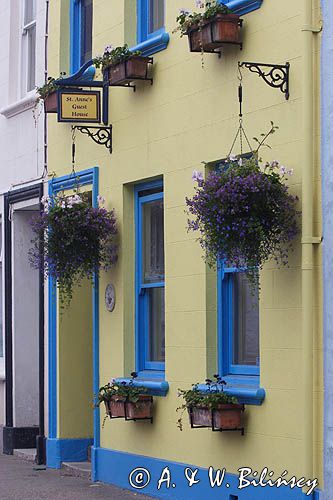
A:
x: 245, y: 389
x: 155, y: 387
x: 153, y: 44
x: 244, y: 6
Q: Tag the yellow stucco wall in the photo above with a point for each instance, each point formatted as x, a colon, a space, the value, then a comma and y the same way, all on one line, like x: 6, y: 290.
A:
x: 189, y: 115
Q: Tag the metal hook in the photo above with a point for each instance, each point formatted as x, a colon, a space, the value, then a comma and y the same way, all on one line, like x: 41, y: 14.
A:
x: 239, y: 76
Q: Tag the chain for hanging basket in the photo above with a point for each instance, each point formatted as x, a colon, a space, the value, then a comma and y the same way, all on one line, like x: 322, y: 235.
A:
x: 73, y: 173
x: 241, y: 134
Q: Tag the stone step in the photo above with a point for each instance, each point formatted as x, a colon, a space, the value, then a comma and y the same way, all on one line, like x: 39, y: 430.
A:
x: 28, y: 454
x: 77, y: 469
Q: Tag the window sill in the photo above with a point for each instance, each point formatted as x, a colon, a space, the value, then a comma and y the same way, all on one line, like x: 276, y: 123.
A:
x: 28, y: 102
x: 243, y: 6
x: 155, y: 387
x: 245, y: 389
x: 153, y: 45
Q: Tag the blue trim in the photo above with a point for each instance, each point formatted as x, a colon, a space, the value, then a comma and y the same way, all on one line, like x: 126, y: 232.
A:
x: 75, y: 35
x: 148, y: 43
x: 243, y: 6
x: 86, y: 177
x: 225, y: 326
x: 243, y: 381
x: 115, y: 467
x: 66, y: 450
x: 153, y: 44
x: 155, y: 387
x: 141, y: 296
x: 250, y: 395
x: 75, y: 20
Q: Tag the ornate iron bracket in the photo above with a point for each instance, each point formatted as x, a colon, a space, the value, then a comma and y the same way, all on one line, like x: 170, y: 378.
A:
x: 276, y: 75
x: 100, y: 135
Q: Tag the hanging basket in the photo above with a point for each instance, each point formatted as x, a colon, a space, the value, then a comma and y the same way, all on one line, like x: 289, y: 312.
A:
x: 212, y: 34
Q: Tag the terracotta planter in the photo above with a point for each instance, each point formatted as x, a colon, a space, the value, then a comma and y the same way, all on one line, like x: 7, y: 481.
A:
x: 227, y: 417
x: 214, y: 33
x: 51, y: 103
x: 142, y: 409
x: 135, y: 68
x: 115, y: 407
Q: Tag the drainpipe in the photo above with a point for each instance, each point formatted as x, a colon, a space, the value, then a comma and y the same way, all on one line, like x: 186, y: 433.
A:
x: 307, y: 238
x: 41, y: 440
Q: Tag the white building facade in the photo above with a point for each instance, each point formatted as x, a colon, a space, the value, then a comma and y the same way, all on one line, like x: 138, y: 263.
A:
x: 22, y: 168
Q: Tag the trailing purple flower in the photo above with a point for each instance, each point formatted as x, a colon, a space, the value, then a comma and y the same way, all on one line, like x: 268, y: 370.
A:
x: 72, y: 241
x: 244, y: 215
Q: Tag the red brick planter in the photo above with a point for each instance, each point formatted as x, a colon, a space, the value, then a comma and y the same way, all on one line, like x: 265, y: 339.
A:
x: 143, y: 409
x: 134, y: 68
x: 115, y: 408
x: 222, y: 29
x: 119, y: 407
x: 225, y: 417
x: 51, y: 103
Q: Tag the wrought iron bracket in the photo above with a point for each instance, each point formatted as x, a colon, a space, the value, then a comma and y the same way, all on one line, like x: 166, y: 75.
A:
x: 275, y: 75
x: 100, y: 135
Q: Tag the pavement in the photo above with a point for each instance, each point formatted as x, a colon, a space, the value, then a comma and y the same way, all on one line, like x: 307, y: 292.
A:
x: 19, y: 480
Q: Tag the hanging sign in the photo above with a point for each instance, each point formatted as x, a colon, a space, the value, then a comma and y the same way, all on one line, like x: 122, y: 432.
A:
x: 83, y: 106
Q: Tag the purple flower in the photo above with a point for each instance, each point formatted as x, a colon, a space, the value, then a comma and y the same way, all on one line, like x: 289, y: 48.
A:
x: 244, y: 215
x: 197, y: 176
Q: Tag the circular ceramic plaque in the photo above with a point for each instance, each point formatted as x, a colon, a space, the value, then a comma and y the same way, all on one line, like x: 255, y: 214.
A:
x: 110, y: 297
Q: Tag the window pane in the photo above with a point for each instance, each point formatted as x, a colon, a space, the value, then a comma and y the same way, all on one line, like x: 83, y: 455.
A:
x: 153, y: 241
x: 156, y: 15
x: 29, y: 11
x: 31, y: 34
x: 86, y: 30
x: 156, y: 334
x: 245, y: 322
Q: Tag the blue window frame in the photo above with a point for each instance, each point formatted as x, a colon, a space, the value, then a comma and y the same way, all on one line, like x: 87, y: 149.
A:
x: 238, y: 324
x: 150, y: 19
x: 81, y: 15
x: 151, y: 35
x: 150, y: 308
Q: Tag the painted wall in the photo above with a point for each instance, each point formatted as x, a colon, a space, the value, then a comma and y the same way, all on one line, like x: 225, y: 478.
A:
x: 189, y: 115
x: 75, y: 418
x: 21, y: 138
x: 327, y: 183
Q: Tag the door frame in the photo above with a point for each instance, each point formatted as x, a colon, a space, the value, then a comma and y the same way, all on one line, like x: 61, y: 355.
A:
x: 60, y: 450
x: 22, y: 437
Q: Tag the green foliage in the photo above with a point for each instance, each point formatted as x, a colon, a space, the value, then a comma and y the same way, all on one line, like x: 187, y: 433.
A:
x: 113, y: 56
x: 188, y: 20
x: 126, y: 390
x: 48, y: 87
x: 210, y: 399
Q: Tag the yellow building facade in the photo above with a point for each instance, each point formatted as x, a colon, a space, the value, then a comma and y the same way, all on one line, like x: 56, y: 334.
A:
x: 161, y: 133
